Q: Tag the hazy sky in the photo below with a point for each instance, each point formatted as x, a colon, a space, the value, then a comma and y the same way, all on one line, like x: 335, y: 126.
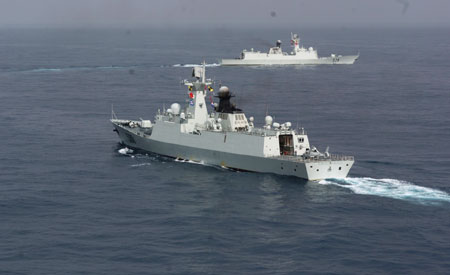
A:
x: 161, y: 13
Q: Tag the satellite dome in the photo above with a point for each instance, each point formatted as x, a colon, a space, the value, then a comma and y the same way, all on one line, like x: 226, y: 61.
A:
x: 268, y: 120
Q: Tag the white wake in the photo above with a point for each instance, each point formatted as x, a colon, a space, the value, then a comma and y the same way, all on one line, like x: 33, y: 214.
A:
x: 196, y: 65
x: 39, y: 70
x: 391, y: 188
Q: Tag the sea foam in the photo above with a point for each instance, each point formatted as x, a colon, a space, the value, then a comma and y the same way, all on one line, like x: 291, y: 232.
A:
x: 125, y: 151
x: 391, y: 188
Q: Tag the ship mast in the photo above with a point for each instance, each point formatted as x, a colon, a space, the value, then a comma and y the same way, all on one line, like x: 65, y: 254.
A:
x: 204, y: 72
x: 197, y: 90
x: 295, y: 41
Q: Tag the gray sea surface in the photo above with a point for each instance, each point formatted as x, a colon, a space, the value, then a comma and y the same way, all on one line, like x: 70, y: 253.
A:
x: 71, y: 203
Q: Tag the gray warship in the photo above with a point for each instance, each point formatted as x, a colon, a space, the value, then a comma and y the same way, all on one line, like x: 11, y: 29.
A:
x: 226, y: 137
x: 298, y: 56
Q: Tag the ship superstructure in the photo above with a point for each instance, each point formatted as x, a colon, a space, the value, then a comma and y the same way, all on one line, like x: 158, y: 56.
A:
x: 226, y: 137
x: 298, y: 56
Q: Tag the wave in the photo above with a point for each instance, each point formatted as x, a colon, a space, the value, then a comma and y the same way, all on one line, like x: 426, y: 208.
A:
x: 45, y: 70
x: 190, y: 161
x: 90, y: 68
x: 196, y: 65
x: 139, y: 155
x: 218, y: 167
x: 141, y: 164
x: 391, y: 188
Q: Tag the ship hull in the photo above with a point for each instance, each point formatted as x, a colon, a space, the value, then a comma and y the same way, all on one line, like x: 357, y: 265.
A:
x: 338, y: 60
x: 193, y: 149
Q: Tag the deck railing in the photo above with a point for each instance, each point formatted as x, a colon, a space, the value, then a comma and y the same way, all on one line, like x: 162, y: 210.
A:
x: 332, y: 157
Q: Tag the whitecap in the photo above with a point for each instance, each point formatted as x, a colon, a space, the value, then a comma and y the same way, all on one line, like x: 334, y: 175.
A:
x: 125, y: 151
x: 190, y: 161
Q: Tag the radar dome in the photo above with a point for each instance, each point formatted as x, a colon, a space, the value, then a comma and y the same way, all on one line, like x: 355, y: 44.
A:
x: 224, y: 92
x: 268, y: 120
x: 276, y: 125
x: 175, y: 108
x: 224, y: 89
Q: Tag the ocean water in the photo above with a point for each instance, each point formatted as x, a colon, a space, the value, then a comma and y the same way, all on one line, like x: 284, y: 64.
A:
x: 73, y: 200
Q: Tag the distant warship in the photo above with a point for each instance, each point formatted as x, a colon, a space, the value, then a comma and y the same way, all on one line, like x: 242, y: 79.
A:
x: 225, y: 137
x: 299, y: 56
